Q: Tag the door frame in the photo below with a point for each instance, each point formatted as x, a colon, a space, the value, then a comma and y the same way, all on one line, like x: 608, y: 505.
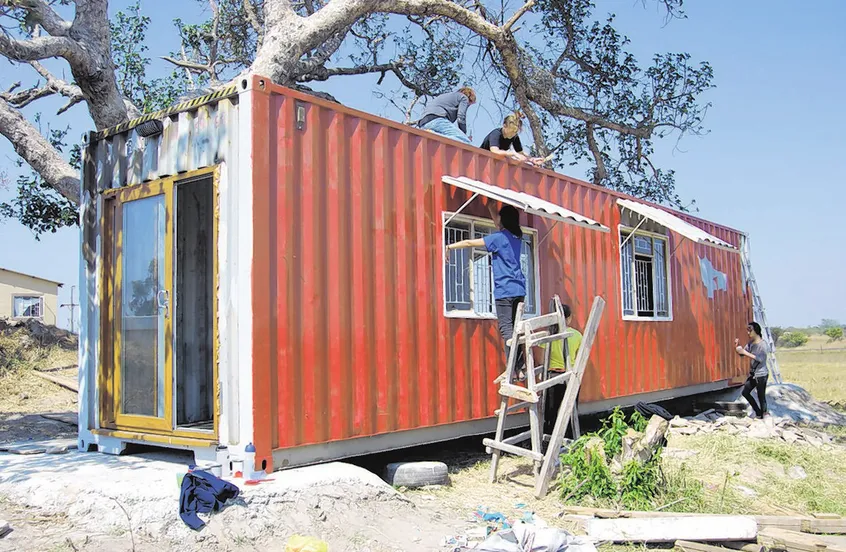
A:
x: 110, y: 420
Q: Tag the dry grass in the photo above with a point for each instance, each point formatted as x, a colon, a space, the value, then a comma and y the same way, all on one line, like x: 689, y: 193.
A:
x: 725, y: 462
x: 821, y: 372
x: 17, y: 379
x: 471, y: 489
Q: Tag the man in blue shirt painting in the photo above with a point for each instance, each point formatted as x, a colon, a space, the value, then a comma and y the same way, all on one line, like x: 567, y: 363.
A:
x: 505, y: 247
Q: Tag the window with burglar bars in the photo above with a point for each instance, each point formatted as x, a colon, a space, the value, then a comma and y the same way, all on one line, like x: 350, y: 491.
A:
x: 645, y: 286
x: 469, y: 287
x: 28, y: 307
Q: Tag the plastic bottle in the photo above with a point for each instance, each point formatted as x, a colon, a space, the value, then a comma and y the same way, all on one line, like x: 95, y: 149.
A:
x: 249, y: 461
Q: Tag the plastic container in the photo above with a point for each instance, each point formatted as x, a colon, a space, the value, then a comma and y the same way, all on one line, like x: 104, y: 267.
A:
x: 249, y: 460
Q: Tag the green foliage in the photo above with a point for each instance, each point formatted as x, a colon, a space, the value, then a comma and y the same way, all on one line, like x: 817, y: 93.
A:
x: 129, y: 33
x: 37, y: 205
x: 776, y: 332
x: 590, y: 475
x: 794, y: 339
x: 829, y: 323
x: 834, y: 333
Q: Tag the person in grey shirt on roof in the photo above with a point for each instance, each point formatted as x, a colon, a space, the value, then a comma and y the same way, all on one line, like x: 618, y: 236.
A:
x: 446, y: 109
x: 756, y: 350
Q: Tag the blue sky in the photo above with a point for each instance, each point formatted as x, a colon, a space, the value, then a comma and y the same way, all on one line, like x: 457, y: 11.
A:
x: 773, y: 163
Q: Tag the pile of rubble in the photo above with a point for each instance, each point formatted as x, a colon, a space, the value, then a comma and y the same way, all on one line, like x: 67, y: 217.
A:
x: 768, y: 428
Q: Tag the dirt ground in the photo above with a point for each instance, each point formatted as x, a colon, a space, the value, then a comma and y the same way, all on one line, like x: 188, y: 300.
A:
x: 752, y: 477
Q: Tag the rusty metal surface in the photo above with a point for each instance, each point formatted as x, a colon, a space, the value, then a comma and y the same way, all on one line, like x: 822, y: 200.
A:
x: 349, y: 335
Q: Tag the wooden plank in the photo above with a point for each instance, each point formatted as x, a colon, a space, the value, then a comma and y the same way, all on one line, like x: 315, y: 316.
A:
x: 553, y: 381
x: 511, y: 449
x: 672, y: 528
x: 822, y: 515
x: 688, y: 546
x: 519, y: 438
x: 792, y: 541
x: 565, y: 410
x: 517, y: 392
x: 516, y: 406
x: 824, y: 526
x: 543, y: 340
x: 63, y: 382
x: 791, y: 523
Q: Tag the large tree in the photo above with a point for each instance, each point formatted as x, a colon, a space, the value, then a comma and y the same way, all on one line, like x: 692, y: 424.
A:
x: 585, y: 96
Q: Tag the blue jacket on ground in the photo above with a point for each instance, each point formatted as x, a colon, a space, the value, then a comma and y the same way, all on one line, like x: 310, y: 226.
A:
x: 203, y: 493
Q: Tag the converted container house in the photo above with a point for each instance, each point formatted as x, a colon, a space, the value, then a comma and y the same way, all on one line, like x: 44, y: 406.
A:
x: 264, y: 266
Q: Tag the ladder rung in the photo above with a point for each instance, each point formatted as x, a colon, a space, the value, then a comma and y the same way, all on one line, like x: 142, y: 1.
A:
x: 555, y: 380
x: 511, y: 449
x: 522, y: 337
x: 550, y: 338
x: 519, y: 438
x: 517, y: 406
x: 517, y: 392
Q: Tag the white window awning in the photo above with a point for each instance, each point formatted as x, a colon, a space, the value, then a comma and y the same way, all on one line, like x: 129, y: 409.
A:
x: 674, y: 223
x: 523, y: 201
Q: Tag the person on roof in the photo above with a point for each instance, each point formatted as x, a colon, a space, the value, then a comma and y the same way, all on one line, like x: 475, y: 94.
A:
x: 446, y: 109
x: 501, y: 141
x: 756, y: 350
x: 505, y: 248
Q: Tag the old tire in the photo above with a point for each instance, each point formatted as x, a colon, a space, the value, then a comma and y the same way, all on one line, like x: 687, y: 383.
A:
x: 416, y: 474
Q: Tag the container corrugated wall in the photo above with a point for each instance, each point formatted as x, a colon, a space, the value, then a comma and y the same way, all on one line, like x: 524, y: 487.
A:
x: 350, y: 338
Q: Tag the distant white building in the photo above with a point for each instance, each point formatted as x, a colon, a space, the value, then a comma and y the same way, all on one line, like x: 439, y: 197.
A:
x: 23, y: 296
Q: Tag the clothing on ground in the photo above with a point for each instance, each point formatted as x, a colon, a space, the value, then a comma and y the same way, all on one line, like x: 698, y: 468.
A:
x: 496, y: 139
x: 759, y: 383
x: 202, y: 493
x: 445, y: 128
x: 556, y: 355
x: 451, y: 106
x: 505, y: 249
x: 506, y: 314
x: 758, y: 366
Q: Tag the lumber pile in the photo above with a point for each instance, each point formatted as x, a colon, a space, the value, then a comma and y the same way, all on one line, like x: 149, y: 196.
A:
x: 693, y: 532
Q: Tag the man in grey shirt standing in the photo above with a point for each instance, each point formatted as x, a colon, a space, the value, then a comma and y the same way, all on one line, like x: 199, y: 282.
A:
x: 756, y: 350
x: 446, y: 109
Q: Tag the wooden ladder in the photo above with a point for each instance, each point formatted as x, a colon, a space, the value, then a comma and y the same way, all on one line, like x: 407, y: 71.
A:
x: 534, y: 332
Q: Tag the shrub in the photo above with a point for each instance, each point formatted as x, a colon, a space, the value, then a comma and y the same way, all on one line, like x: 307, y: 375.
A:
x: 776, y: 332
x: 794, y: 339
x: 834, y: 334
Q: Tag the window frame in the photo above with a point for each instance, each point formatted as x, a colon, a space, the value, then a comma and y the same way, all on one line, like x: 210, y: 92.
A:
x: 28, y: 296
x: 623, y: 231
x: 472, y: 314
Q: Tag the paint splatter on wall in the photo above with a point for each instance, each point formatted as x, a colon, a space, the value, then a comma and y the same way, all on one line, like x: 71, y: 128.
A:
x: 711, y: 277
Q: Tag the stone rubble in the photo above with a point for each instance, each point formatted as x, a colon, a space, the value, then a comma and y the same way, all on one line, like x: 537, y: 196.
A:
x: 753, y: 428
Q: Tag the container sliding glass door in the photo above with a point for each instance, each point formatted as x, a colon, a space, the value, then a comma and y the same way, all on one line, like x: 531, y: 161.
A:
x: 142, y: 311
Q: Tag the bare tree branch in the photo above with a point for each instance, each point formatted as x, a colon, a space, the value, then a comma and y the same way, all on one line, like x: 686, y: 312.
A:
x: 25, y: 97
x: 518, y: 14
x: 600, y: 173
x: 323, y: 73
x: 41, y: 47
x: 37, y: 151
x: 253, y: 18
x: 44, y: 15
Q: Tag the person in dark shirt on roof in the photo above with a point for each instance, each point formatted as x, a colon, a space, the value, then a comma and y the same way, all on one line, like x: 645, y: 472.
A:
x: 446, y: 109
x: 505, y: 248
x: 756, y: 350
x: 500, y: 141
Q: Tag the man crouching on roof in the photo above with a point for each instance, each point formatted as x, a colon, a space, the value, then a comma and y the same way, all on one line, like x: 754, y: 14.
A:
x: 446, y: 109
